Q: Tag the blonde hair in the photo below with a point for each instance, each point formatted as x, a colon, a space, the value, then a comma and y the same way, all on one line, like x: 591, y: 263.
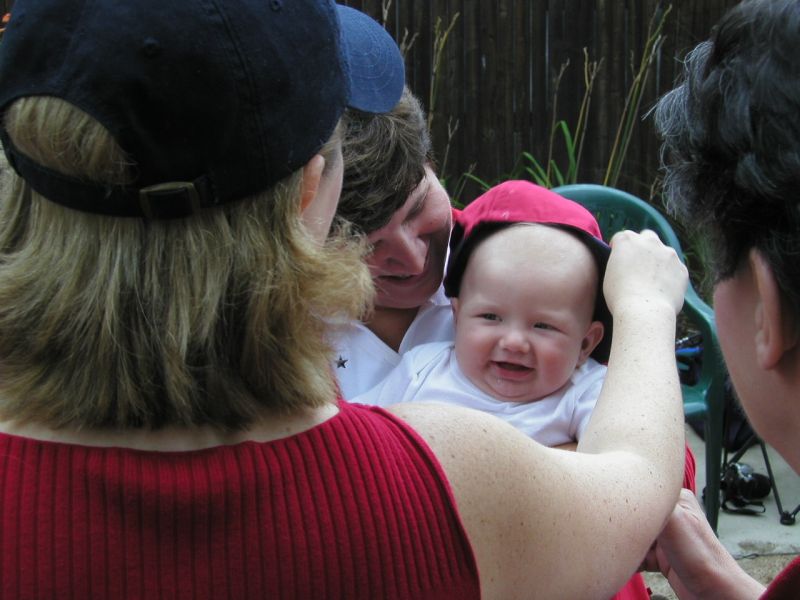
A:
x: 123, y: 322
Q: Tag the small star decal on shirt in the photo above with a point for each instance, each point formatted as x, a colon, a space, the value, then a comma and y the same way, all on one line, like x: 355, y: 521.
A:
x: 341, y: 363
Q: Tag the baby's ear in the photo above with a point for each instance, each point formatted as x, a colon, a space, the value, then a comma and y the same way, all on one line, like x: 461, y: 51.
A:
x: 454, y: 306
x: 591, y: 338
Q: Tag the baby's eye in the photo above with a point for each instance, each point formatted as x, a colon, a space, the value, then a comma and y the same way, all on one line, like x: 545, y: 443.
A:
x: 490, y: 317
x: 541, y: 325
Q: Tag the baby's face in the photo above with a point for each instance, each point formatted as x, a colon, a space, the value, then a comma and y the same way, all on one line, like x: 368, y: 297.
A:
x: 524, y: 313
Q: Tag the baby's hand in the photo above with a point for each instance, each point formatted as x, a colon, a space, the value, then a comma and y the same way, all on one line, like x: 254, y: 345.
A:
x: 642, y: 269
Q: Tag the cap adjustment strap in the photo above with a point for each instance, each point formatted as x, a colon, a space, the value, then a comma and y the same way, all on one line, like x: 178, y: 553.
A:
x: 169, y: 200
x: 178, y: 197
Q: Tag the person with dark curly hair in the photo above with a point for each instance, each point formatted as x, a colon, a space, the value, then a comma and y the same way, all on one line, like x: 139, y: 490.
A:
x: 731, y: 143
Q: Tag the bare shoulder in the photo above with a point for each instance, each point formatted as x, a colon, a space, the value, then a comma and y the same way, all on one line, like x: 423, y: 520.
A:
x: 497, y: 476
x: 468, y: 433
x: 480, y: 454
x: 526, y: 507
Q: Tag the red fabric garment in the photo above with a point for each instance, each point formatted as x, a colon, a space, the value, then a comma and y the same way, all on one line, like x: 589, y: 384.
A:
x: 786, y: 586
x: 689, y: 471
x: 357, y: 507
x: 635, y: 589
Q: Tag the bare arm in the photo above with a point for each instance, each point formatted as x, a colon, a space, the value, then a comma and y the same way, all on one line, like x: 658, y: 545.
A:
x: 546, y: 523
x: 694, y: 561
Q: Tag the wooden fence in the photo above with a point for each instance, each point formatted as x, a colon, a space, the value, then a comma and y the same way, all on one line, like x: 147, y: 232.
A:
x: 494, y: 89
x: 495, y: 85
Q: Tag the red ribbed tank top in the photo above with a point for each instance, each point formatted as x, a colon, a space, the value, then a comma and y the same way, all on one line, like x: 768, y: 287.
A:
x: 357, y: 507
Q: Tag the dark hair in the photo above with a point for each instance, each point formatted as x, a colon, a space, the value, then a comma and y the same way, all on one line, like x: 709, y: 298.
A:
x: 731, y: 140
x: 384, y: 160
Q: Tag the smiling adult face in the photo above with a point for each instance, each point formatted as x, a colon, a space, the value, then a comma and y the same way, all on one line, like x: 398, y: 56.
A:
x: 408, y: 253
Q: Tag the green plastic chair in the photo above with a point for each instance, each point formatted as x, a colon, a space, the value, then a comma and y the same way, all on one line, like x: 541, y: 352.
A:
x: 616, y: 210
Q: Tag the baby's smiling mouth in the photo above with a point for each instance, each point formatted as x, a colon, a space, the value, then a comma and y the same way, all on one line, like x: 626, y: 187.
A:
x: 512, y: 366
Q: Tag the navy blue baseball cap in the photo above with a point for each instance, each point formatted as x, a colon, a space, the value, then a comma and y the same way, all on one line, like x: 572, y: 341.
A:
x: 212, y: 100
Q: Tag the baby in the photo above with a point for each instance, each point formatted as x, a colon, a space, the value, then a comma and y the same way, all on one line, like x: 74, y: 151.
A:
x: 531, y: 325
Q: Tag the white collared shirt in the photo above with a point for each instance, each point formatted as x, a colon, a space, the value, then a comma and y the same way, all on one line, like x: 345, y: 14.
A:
x: 362, y: 360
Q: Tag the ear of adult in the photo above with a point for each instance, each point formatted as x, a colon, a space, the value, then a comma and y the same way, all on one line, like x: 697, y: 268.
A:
x: 320, y: 189
x: 776, y: 325
x: 312, y: 174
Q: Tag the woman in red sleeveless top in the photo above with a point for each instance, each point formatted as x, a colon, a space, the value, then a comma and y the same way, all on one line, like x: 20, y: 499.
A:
x: 169, y: 424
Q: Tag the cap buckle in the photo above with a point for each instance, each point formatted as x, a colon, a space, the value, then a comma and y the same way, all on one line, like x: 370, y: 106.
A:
x: 175, y: 197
